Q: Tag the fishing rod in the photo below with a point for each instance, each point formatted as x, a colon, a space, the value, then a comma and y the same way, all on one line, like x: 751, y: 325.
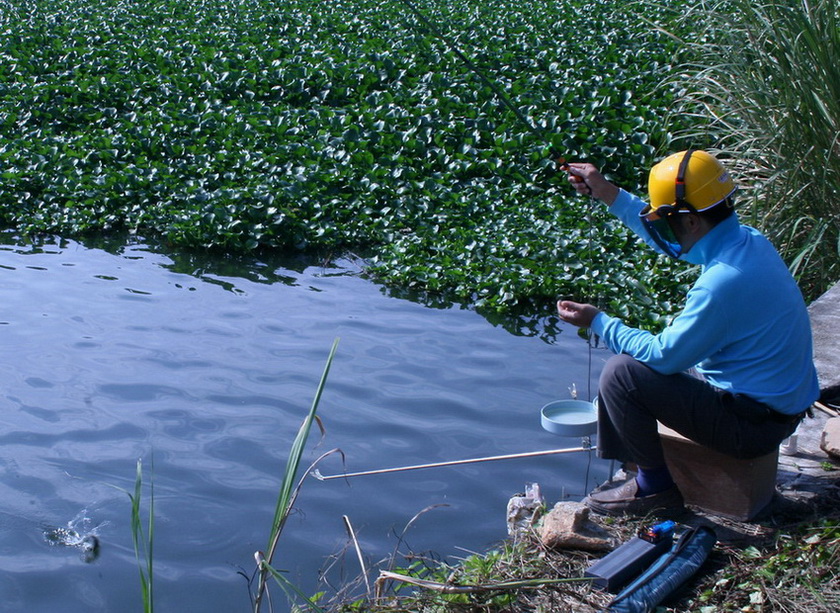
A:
x: 533, y: 128
x: 530, y: 454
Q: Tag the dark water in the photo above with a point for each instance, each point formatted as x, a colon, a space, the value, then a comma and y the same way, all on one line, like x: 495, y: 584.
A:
x: 206, y: 368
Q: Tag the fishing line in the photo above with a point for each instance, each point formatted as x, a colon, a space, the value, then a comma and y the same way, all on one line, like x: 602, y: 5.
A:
x: 589, y: 333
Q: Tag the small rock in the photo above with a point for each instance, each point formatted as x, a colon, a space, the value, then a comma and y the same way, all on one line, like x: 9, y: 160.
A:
x: 567, y: 526
x: 830, y: 442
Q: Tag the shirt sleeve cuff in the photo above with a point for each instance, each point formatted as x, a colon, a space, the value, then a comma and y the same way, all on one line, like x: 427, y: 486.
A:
x: 624, y: 201
x: 599, y: 323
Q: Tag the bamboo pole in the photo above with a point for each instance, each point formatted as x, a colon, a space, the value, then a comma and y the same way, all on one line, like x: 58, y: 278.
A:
x: 826, y: 409
x: 511, y: 456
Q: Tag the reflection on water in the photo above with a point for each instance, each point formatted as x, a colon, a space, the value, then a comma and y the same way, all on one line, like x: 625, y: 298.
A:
x: 204, y: 367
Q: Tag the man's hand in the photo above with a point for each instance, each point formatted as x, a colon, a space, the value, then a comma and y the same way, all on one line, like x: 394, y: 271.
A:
x: 580, y: 315
x: 588, y: 181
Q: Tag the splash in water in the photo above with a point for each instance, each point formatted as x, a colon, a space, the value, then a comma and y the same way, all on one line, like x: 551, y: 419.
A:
x: 79, y: 533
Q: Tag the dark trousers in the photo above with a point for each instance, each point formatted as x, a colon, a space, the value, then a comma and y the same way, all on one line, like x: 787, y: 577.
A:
x: 632, y: 397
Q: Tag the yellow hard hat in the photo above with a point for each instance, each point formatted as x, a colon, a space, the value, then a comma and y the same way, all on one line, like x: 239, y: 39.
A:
x: 693, y: 178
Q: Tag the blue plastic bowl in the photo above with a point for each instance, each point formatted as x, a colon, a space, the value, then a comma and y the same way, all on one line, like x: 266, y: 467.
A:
x: 570, y: 417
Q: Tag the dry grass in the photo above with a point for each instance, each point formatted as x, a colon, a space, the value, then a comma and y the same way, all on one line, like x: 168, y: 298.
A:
x: 789, y: 561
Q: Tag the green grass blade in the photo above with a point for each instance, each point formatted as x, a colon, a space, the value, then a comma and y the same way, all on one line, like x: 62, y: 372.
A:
x: 291, y: 589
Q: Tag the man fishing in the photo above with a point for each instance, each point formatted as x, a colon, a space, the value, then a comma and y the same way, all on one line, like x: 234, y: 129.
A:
x: 744, y: 334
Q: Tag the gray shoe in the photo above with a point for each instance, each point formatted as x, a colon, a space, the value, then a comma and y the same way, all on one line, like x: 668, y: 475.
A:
x: 623, y: 500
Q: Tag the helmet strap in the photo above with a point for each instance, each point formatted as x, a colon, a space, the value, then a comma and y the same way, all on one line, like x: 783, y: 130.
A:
x: 679, y: 187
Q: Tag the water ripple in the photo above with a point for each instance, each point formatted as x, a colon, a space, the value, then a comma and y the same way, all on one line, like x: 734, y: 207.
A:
x: 205, y: 369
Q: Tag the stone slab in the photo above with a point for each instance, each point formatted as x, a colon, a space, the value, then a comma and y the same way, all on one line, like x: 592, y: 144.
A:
x: 810, y: 467
x: 825, y: 326
x: 718, y: 483
x: 830, y: 442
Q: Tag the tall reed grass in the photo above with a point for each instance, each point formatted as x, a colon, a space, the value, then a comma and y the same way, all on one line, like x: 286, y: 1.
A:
x: 760, y: 84
x: 289, y: 489
x: 143, y: 540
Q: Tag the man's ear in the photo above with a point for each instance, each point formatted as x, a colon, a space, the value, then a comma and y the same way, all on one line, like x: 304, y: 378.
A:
x: 692, y: 223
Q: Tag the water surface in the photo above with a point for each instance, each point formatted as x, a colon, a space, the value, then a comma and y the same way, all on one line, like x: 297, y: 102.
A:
x: 205, y: 367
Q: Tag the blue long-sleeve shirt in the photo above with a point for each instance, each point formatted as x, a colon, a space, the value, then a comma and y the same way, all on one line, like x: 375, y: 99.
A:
x: 744, y: 327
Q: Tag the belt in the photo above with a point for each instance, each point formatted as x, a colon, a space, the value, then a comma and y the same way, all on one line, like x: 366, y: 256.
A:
x: 784, y: 418
x: 758, y: 412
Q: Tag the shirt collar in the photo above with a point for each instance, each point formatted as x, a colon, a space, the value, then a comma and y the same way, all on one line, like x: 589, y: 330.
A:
x: 715, y: 240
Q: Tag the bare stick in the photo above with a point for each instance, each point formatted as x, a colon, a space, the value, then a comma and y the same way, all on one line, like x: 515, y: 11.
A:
x: 352, y: 534
x: 512, y: 456
x: 826, y: 409
x: 448, y: 588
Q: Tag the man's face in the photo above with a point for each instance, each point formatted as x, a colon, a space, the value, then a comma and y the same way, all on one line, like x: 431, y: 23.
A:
x: 684, y: 226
